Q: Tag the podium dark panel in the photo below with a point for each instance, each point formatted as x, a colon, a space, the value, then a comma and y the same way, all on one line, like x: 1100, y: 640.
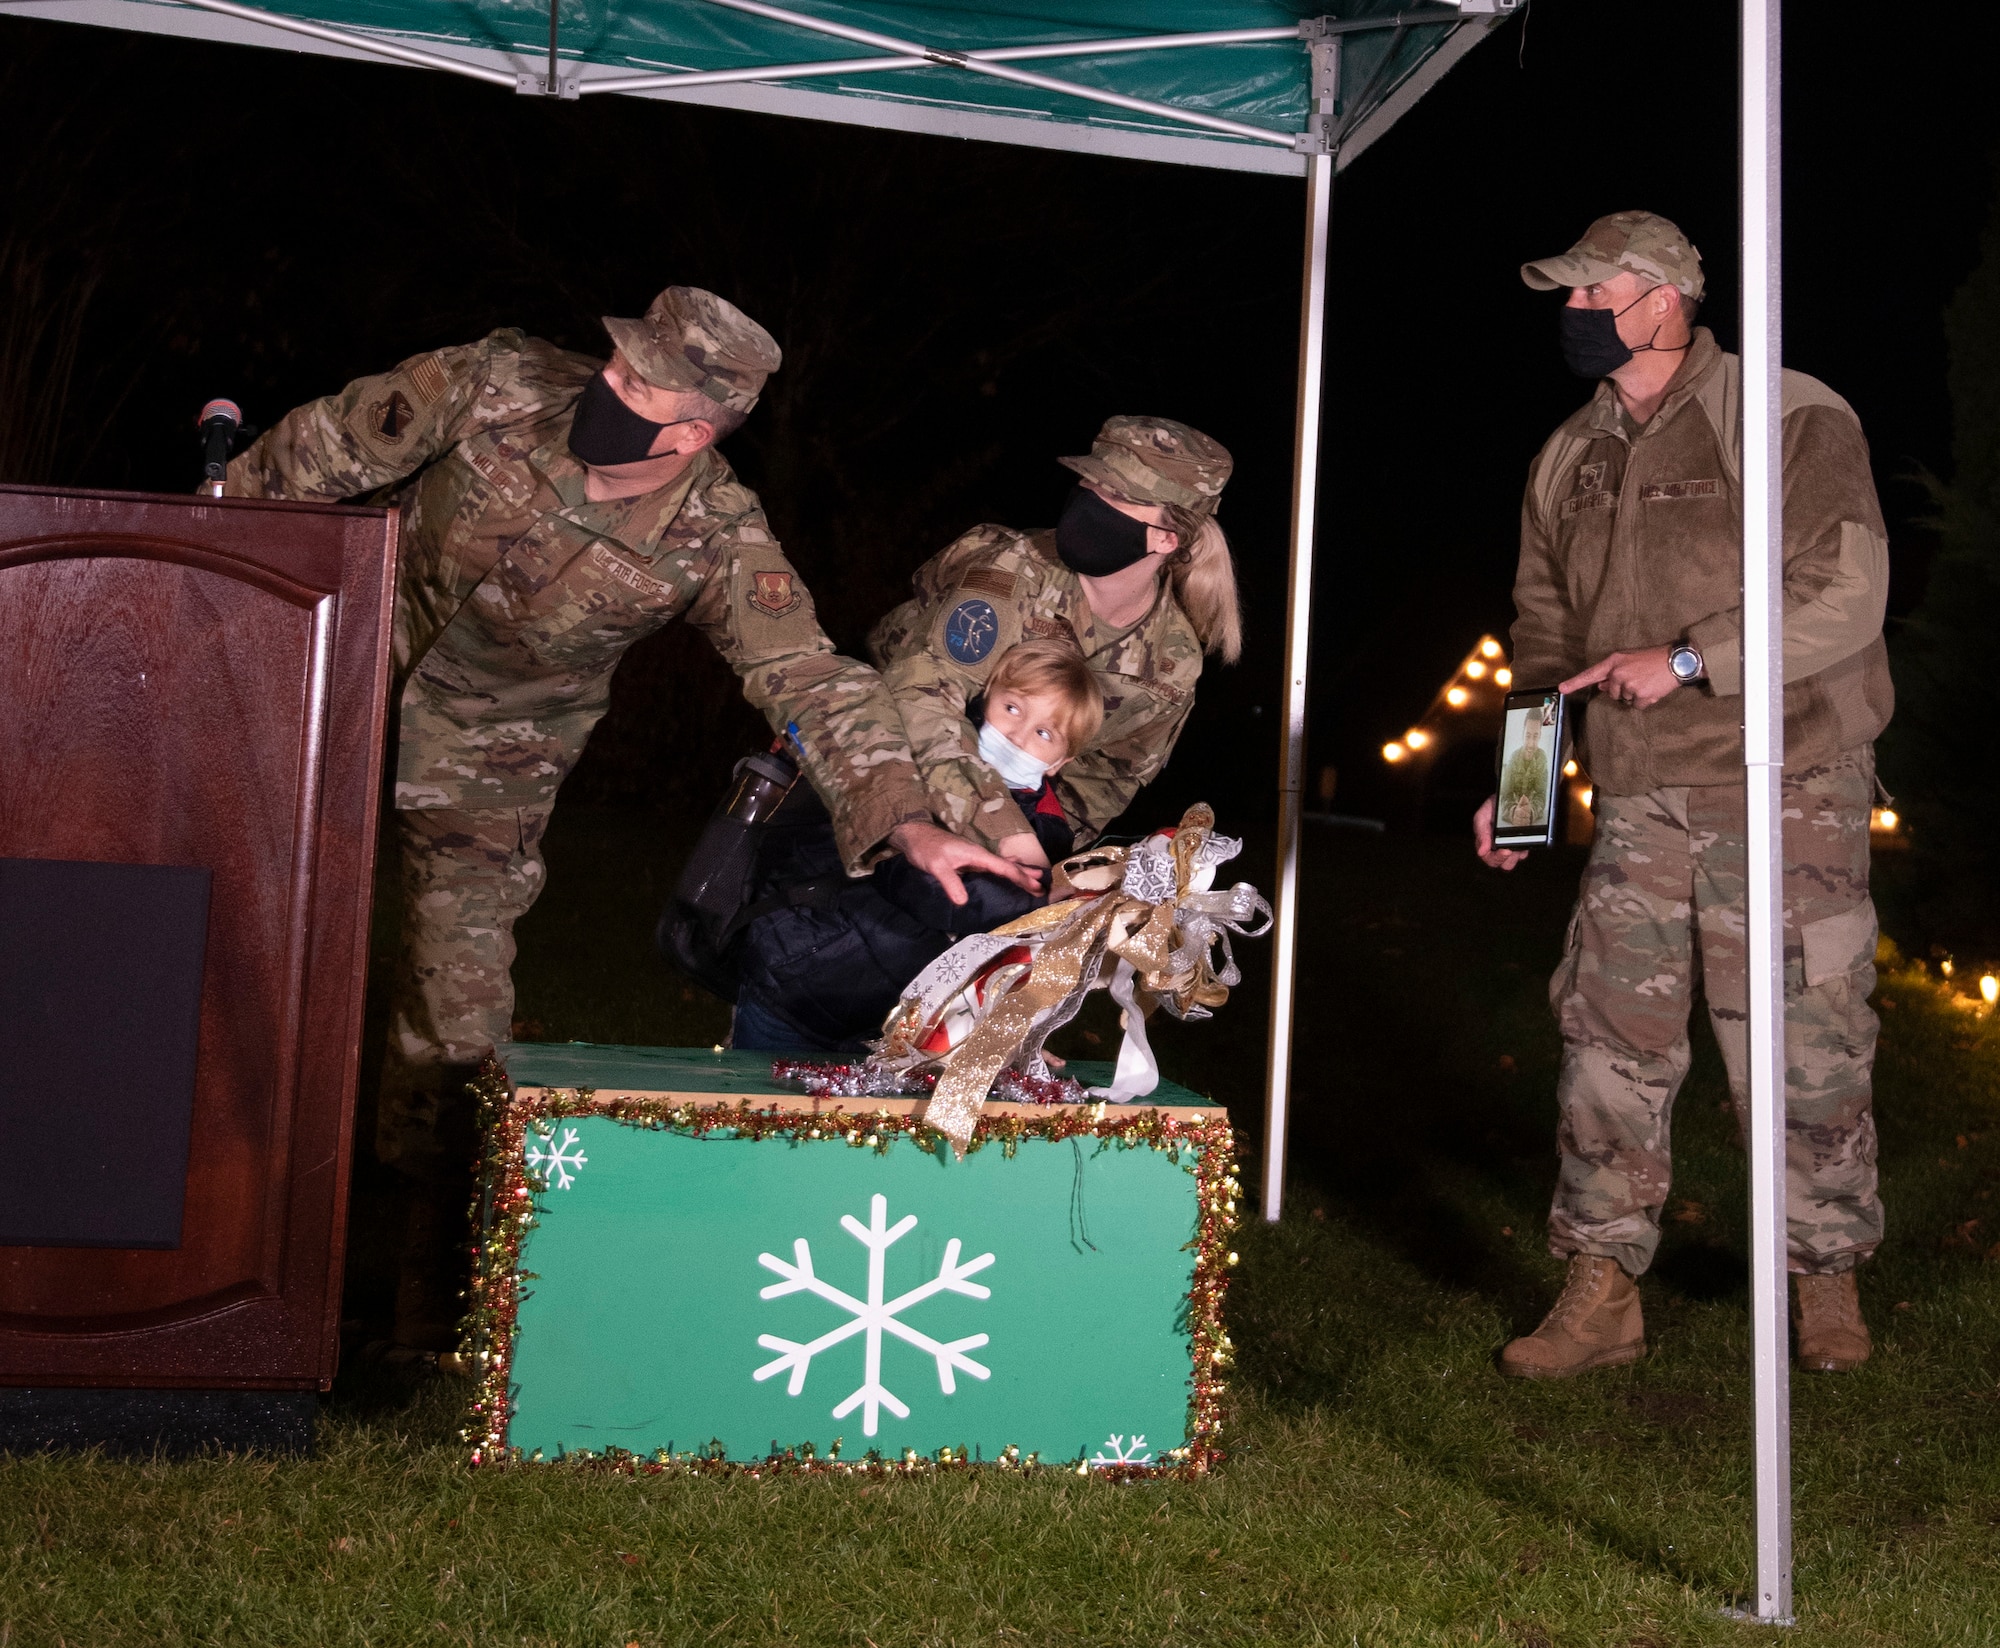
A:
x: 200, y: 685
x: 100, y: 1005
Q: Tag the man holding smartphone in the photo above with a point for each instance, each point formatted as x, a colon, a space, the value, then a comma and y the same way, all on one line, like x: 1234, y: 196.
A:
x: 1629, y: 590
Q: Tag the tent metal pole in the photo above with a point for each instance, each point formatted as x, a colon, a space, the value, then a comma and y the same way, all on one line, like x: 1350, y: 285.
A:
x: 1298, y: 637
x: 1764, y: 762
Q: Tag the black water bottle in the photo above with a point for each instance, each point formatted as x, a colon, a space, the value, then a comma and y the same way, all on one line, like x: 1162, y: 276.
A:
x: 717, y: 877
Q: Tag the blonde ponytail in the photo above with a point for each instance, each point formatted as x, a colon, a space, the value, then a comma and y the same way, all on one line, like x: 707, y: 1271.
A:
x: 1205, y: 585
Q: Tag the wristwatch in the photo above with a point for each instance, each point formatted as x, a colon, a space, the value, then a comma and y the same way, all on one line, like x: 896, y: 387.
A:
x: 1686, y: 664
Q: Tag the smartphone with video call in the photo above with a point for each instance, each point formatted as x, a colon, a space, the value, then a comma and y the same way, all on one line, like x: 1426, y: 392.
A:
x: 1527, y: 810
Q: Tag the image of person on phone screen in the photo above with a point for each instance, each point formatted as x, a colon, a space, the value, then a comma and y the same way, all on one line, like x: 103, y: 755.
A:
x: 1524, y: 784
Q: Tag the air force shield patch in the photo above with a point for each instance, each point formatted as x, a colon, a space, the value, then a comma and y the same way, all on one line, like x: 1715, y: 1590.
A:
x: 775, y: 593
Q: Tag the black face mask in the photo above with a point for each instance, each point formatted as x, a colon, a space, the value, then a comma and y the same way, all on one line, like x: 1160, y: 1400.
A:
x: 607, y: 431
x: 1591, y: 345
x: 1094, y: 540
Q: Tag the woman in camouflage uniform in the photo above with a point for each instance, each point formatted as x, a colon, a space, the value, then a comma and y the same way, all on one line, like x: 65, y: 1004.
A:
x: 1136, y: 575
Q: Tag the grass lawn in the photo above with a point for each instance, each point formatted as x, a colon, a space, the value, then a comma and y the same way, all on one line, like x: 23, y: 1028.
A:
x: 1385, y: 1487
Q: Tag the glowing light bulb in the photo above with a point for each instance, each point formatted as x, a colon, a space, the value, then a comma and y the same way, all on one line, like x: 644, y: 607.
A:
x: 1457, y: 697
x: 1944, y: 967
x: 1503, y: 677
x: 1475, y: 669
x: 1888, y: 818
x: 1569, y: 769
x: 1416, y: 738
x: 1393, y: 752
x: 1489, y: 648
x: 1587, y: 794
x: 1989, y: 989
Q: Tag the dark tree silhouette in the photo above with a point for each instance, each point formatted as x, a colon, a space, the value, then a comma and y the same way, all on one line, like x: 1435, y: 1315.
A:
x: 1942, y: 751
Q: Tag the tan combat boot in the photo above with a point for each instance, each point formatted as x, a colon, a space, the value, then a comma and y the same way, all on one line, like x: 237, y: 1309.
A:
x: 1595, y: 1324
x: 1826, y: 1311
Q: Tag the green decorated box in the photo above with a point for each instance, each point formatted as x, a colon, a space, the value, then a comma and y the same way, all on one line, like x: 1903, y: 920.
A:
x: 684, y: 1266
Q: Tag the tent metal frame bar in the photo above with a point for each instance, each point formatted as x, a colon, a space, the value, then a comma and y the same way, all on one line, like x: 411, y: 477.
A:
x: 1019, y: 54
x: 874, y: 65
x: 412, y: 55
x: 991, y: 61
x: 1764, y: 766
x: 1370, y: 123
x: 979, y: 64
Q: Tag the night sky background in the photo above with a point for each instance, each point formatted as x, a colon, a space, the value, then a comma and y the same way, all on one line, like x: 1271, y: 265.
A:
x: 179, y: 221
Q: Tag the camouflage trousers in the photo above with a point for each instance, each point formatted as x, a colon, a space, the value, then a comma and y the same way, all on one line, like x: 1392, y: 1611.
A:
x: 1662, y: 907
x: 464, y: 878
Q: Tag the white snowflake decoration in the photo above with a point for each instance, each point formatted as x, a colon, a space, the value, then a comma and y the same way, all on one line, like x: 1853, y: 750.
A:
x: 558, y: 1163
x: 1117, y: 1451
x: 873, y: 1316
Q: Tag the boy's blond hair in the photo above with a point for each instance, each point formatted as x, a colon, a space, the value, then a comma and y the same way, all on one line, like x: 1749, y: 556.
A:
x: 1058, y: 669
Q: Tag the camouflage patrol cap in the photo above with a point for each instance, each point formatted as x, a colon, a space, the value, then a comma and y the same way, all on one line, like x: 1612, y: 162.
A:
x: 1156, y: 461
x: 691, y: 339
x: 1639, y: 243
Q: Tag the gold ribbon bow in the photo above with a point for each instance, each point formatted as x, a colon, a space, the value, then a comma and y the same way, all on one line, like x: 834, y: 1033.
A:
x: 1082, y: 939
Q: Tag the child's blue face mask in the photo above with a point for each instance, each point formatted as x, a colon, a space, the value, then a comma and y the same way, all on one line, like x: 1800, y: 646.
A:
x: 1014, y: 764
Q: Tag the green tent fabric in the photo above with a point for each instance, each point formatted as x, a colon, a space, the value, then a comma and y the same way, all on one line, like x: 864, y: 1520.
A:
x: 1259, y: 86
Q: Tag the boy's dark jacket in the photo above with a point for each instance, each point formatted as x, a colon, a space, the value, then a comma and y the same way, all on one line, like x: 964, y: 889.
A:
x: 834, y: 966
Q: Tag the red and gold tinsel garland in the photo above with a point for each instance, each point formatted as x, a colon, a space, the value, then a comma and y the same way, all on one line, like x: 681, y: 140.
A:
x: 503, y: 1212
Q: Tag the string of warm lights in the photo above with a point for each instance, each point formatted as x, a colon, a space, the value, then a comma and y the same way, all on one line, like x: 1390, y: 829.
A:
x: 1484, y: 672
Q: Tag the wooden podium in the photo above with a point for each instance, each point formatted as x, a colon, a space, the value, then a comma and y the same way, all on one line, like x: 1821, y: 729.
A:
x: 192, y: 704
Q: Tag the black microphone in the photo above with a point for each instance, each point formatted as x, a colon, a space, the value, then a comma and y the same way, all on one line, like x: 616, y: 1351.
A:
x: 218, y: 423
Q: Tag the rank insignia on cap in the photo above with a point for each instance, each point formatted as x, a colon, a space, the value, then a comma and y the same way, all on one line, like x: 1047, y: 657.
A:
x: 971, y: 630
x: 774, y: 592
x: 392, y: 416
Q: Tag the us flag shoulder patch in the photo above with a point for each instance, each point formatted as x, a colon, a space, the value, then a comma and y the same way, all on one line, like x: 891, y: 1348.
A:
x: 428, y: 378
x: 989, y: 581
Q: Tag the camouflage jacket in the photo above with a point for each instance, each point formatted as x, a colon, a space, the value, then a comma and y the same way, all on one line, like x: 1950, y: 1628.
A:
x: 517, y: 596
x: 995, y: 587
x: 1634, y: 538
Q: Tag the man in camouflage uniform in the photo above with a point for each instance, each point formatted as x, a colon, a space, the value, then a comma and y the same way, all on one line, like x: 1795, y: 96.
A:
x: 1630, y: 583
x: 997, y: 586
x: 526, y: 572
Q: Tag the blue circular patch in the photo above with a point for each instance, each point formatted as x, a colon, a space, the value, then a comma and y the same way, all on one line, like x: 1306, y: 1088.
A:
x: 971, y: 630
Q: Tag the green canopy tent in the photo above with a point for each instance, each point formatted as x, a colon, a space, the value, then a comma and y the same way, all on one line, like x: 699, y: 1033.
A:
x: 1249, y: 85
x: 1224, y: 83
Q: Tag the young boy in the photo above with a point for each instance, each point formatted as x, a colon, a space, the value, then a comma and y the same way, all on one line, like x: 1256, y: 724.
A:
x: 821, y: 973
